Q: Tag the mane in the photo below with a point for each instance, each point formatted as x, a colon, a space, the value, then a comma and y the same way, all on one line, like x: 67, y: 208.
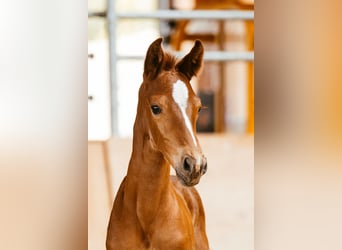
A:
x: 169, y: 61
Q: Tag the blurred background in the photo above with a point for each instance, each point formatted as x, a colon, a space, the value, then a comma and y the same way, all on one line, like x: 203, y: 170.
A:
x: 119, y: 33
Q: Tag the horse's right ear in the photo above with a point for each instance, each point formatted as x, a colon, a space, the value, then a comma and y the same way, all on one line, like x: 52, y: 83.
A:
x: 154, y: 59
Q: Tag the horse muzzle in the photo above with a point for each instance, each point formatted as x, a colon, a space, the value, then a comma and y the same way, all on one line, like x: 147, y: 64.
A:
x: 191, y: 170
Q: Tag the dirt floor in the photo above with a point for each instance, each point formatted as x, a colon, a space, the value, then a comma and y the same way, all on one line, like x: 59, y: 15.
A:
x: 227, y: 189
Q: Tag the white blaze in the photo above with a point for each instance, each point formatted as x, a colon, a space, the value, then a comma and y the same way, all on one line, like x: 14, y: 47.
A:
x: 180, y: 95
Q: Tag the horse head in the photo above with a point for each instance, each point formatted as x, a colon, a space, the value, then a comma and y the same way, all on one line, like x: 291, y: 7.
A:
x: 170, y: 109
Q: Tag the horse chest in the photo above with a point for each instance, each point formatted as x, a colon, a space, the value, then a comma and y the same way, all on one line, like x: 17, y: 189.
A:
x: 172, y: 227
x: 166, y: 224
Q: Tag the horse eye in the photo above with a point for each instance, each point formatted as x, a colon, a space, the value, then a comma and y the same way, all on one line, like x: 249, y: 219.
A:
x: 156, y: 109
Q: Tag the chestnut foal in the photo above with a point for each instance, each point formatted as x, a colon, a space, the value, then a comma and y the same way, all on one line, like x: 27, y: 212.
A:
x: 153, y: 210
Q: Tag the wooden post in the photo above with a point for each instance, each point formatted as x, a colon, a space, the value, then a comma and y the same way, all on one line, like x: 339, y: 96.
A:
x: 250, y: 72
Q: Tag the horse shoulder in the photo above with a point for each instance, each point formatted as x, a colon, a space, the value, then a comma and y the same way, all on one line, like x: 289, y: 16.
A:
x: 113, y: 234
x: 122, y: 232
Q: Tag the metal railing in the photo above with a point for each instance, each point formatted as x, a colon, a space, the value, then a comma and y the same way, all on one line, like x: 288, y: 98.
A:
x: 217, y: 56
x: 183, y: 14
x: 190, y: 14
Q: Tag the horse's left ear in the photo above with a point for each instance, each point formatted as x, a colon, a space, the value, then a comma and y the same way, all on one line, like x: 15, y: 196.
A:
x: 191, y: 64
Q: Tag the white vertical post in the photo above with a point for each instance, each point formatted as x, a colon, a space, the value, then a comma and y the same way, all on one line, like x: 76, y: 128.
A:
x: 112, y: 24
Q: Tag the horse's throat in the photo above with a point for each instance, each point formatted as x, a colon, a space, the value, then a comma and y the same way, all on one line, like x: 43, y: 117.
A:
x: 147, y: 163
x: 150, y: 165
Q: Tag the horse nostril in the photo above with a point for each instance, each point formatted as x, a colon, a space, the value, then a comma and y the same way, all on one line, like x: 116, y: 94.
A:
x: 187, y: 164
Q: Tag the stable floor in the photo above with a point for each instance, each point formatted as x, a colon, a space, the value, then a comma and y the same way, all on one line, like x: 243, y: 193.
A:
x: 227, y: 188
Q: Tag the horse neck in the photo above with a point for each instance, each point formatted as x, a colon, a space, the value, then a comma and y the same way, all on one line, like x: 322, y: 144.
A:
x: 148, y: 171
